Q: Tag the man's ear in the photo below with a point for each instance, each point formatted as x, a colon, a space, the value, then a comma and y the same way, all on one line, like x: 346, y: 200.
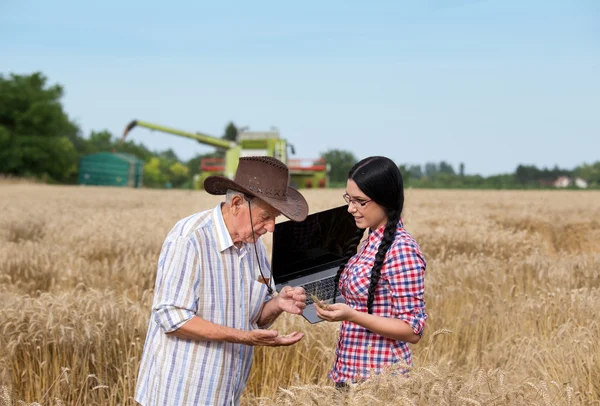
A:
x: 236, y: 204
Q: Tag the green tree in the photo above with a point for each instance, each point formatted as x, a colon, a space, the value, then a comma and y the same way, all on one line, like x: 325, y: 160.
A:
x: 81, y: 144
x: 130, y: 147
x: 179, y: 173
x: 193, y: 164
x: 340, y: 163
x: 590, y: 173
x: 527, y: 174
x: 415, y: 171
x: 405, y: 172
x: 154, y: 174
x: 35, y: 132
x: 231, y: 132
x: 169, y: 155
x: 100, y: 141
x: 431, y: 170
x: 445, y: 167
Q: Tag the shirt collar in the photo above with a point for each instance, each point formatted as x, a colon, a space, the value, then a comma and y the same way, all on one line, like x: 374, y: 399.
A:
x: 224, y: 240
x: 377, y: 235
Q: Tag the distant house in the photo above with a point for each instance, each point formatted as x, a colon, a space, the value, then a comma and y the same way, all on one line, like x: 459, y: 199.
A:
x: 581, y: 183
x: 564, y: 181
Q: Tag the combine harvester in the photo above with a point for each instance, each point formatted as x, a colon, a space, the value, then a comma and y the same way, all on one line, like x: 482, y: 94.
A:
x: 304, y: 173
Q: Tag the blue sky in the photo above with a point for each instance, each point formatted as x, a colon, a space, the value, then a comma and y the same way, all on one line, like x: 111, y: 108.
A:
x: 492, y: 84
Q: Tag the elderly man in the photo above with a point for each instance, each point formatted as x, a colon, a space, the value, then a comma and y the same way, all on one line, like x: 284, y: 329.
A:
x: 213, y: 297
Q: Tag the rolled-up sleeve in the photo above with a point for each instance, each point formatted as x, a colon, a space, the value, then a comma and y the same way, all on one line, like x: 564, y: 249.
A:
x: 175, y: 299
x: 406, y: 276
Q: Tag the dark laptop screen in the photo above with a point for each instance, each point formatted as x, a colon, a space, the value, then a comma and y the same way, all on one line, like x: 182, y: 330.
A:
x: 303, y: 248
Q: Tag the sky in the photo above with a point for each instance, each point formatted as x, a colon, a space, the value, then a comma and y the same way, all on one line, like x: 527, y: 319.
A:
x: 491, y: 84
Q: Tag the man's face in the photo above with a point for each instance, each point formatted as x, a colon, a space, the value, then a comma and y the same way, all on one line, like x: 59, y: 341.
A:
x: 262, y: 220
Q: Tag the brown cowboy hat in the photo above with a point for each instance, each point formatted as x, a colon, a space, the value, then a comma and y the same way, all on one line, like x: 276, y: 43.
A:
x: 266, y: 178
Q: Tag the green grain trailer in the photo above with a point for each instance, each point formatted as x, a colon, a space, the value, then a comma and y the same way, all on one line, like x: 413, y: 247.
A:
x: 111, y: 169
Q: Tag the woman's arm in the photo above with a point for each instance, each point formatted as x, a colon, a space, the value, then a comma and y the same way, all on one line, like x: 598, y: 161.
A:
x: 394, y: 329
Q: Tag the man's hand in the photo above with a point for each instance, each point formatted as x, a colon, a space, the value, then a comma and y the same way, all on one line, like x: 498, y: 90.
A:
x: 291, y: 300
x: 335, y: 312
x: 271, y: 338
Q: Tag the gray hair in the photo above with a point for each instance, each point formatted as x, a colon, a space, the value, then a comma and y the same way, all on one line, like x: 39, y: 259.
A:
x: 231, y: 193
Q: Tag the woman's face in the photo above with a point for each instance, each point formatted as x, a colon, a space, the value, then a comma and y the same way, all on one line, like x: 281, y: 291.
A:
x: 367, y: 213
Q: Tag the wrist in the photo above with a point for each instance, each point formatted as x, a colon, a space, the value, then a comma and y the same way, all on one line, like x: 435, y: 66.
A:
x: 353, y: 314
x: 242, y: 337
x: 278, y: 304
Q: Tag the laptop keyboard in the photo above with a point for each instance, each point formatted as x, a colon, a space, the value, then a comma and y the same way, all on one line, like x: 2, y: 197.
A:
x: 322, y: 289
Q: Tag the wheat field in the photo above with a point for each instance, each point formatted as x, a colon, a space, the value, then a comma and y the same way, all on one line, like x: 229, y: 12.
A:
x: 512, y: 293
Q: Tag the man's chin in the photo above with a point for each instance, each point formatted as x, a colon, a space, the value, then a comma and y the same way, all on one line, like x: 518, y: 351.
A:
x: 251, y: 240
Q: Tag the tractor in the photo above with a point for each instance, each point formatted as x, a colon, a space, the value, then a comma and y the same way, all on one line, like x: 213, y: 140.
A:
x: 304, y: 173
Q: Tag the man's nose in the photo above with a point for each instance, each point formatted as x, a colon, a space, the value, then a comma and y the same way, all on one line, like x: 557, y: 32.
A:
x: 270, y: 226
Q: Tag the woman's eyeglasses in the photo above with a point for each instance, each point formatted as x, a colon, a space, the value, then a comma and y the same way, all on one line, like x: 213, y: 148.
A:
x: 355, y: 202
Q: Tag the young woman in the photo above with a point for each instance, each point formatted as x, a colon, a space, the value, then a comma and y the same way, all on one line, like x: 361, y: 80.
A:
x: 382, y: 284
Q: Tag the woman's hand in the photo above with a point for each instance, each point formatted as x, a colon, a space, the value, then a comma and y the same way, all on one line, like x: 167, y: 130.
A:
x: 335, y: 312
x: 396, y: 329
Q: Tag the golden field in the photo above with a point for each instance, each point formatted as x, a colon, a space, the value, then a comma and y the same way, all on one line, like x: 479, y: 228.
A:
x: 512, y: 293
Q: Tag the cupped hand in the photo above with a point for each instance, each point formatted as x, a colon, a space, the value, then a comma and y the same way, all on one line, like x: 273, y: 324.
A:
x: 335, y: 312
x: 292, y: 300
x: 271, y: 338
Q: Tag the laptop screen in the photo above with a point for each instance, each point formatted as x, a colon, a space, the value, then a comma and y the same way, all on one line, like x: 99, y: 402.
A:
x: 305, y: 247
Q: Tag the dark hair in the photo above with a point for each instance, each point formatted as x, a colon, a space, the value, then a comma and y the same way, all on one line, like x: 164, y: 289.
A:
x: 380, y: 179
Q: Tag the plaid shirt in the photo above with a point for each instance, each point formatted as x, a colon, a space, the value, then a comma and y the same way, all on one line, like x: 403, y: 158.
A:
x: 399, y: 295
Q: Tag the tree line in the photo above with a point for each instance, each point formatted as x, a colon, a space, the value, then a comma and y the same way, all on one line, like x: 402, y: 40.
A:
x: 39, y: 140
x: 443, y: 175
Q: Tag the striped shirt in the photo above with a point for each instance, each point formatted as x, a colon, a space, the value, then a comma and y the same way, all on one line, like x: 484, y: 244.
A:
x: 200, y: 272
x: 399, y: 295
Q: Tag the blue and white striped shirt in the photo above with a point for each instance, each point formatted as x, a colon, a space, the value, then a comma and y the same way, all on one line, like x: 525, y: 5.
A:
x: 200, y: 272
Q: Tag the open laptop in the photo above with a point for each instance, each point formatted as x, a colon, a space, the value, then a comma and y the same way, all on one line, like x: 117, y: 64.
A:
x: 309, y: 254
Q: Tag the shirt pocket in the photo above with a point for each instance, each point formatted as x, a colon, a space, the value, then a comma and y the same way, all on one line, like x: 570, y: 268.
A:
x: 356, y: 285
x: 257, y: 297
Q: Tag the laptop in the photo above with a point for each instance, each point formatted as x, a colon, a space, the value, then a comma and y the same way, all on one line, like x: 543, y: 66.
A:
x: 309, y: 254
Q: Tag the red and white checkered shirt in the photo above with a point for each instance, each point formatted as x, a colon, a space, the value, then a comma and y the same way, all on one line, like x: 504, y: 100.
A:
x: 399, y: 295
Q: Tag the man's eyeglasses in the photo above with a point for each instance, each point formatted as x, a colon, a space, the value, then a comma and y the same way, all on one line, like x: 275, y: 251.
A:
x: 355, y: 202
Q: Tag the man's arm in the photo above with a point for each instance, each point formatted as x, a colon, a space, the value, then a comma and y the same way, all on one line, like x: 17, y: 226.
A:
x: 291, y: 300
x: 199, y: 329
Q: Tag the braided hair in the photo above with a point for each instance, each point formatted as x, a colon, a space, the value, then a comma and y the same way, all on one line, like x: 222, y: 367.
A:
x: 380, y: 179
